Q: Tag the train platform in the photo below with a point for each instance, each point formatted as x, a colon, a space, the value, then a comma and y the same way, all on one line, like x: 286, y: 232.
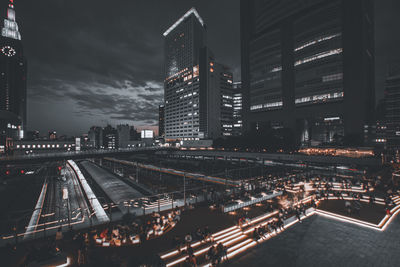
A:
x: 117, y: 190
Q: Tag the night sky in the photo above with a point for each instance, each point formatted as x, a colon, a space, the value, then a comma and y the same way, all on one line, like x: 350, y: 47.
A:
x: 93, y: 62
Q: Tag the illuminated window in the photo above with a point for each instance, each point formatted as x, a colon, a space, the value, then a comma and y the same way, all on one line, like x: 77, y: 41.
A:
x: 318, y: 56
x: 320, y: 39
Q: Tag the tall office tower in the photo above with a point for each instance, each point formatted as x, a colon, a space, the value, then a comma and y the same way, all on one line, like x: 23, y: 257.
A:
x: 237, y: 109
x: 161, y: 120
x: 194, y: 84
x: 12, y: 80
x: 308, y: 66
x: 183, y: 42
x: 123, y: 132
x: 392, y: 104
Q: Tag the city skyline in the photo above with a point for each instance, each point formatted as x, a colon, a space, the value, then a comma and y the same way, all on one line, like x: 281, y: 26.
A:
x: 72, y: 95
x: 87, y: 70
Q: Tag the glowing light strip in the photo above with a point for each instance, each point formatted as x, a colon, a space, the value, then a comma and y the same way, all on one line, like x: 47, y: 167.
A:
x: 237, y: 236
x: 179, y: 21
x: 224, y: 231
x: 234, y: 240
x: 346, y: 219
x: 199, y: 242
x: 226, y: 234
x: 65, y: 264
x: 247, y: 246
x: 390, y: 220
x: 239, y: 245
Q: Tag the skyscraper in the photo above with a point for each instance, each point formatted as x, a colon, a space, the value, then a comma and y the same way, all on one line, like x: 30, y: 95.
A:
x: 13, y: 72
x: 308, y: 66
x: 194, y: 83
x: 183, y: 43
x: 392, y: 114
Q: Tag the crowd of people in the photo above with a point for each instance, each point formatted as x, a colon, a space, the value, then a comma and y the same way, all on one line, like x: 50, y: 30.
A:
x: 136, y: 232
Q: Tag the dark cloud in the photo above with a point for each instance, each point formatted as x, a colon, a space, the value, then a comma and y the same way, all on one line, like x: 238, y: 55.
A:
x: 99, y: 61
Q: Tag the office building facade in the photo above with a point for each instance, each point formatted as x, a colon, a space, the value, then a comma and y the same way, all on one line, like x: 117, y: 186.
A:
x: 306, y: 65
x: 184, y: 41
x: 237, y: 109
x: 392, y: 105
x: 194, y: 84
x: 13, y: 72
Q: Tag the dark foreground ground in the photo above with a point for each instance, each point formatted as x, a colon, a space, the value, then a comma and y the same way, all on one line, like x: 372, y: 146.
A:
x: 320, y: 241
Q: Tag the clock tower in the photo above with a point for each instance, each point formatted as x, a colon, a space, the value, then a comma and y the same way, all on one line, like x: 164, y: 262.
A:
x: 13, y: 71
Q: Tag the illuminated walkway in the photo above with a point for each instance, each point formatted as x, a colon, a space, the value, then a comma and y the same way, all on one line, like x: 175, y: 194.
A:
x: 239, y: 241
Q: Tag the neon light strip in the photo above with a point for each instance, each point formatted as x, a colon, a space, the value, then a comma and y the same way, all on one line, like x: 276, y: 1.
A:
x: 179, y: 21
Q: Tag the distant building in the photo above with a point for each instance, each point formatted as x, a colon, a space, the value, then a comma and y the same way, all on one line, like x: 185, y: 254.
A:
x: 123, y: 135
x: 237, y: 109
x: 96, y: 136
x: 161, y: 120
x: 308, y: 66
x: 147, y: 137
x: 32, y: 135
x: 147, y: 134
x: 23, y: 147
x: 134, y: 135
x: 13, y: 73
x: 110, y: 137
x: 52, y: 135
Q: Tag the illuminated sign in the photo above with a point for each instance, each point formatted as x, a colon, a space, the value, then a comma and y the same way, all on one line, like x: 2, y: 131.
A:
x: 147, y: 134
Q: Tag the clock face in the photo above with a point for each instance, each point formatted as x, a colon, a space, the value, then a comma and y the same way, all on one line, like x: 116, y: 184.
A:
x: 8, y: 51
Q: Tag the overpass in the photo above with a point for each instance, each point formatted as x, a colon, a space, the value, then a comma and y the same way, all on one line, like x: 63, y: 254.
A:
x: 266, y: 158
x: 199, y: 154
x: 40, y: 157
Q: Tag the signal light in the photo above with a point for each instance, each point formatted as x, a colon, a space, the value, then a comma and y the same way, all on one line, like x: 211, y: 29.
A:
x: 59, y: 168
x: 22, y: 171
x: 7, y: 172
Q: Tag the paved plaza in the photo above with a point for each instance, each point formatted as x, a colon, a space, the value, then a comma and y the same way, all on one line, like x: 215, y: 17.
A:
x: 320, y: 241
